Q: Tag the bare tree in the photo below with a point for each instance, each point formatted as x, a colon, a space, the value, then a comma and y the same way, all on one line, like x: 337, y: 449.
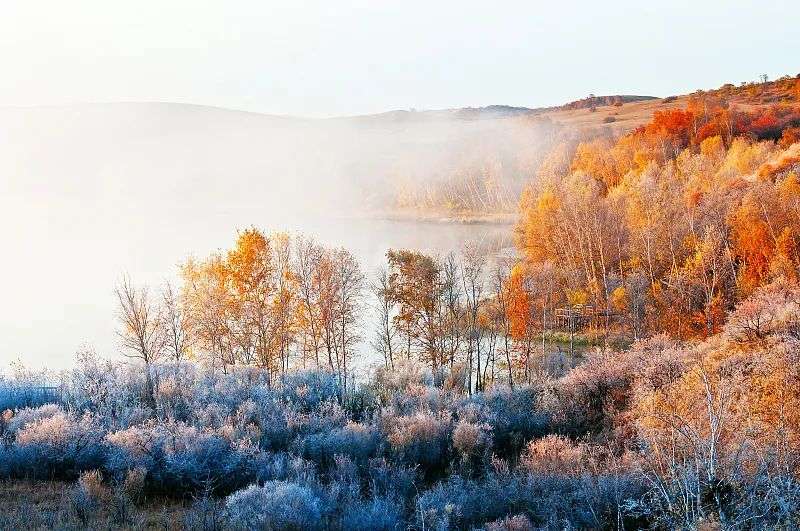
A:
x: 177, y: 325
x: 349, y: 282
x: 385, y: 331
x: 472, y: 269
x: 141, y: 329
x: 454, y: 310
x: 307, y: 259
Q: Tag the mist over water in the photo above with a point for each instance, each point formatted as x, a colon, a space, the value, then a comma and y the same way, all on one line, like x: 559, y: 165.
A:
x: 89, y: 193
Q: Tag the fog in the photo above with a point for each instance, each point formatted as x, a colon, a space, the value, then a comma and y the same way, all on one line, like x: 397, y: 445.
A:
x: 91, y: 192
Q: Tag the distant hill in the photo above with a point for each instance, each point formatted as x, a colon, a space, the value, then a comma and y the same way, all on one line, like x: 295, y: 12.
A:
x: 489, y: 112
x: 462, y: 161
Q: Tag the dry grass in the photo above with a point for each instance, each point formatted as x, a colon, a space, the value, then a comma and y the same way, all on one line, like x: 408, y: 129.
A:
x: 630, y: 115
x: 48, y: 505
x: 625, y: 117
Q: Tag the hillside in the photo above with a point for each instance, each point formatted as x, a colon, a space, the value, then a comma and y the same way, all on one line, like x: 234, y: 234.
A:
x: 624, y: 113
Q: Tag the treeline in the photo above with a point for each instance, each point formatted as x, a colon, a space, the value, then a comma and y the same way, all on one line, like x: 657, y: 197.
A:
x: 667, y: 227
x: 281, y: 303
x: 592, y: 102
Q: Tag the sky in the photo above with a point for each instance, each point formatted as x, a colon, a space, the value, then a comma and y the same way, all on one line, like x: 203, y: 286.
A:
x: 323, y: 58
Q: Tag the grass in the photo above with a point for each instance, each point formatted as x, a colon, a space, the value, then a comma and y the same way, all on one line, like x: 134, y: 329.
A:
x: 587, y: 339
x: 48, y: 505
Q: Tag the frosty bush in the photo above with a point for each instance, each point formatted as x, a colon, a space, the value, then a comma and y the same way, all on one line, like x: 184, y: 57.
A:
x: 557, y: 455
x: 419, y: 398
x: 26, y: 416
x: 112, y: 391
x: 57, y: 446
x: 5, y: 419
x: 389, y: 479
x: 357, y: 441
x: 512, y: 415
x: 518, y: 522
x: 549, y: 501
x: 308, y: 390
x: 285, y: 467
x: 406, y: 374
x: 421, y: 438
x: 471, y: 439
x: 88, y: 495
x: 275, y: 505
x: 378, y: 514
x: 134, y: 483
x: 206, y: 513
x: 180, y: 458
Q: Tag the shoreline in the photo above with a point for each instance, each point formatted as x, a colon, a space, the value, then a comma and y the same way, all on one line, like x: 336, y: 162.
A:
x: 500, y: 219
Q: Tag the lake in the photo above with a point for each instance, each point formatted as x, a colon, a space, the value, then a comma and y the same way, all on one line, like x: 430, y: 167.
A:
x: 66, y: 258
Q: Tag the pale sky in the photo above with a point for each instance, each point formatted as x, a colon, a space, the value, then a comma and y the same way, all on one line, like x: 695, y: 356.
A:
x: 325, y: 58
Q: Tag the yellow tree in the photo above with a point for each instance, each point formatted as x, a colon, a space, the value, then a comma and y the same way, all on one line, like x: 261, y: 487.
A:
x: 251, y: 274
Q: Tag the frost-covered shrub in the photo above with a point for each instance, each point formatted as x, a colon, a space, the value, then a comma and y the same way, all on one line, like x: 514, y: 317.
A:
x: 514, y: 416
x: 26, y: 416
x: 15, y: 396
x: 241, y: 432
x: 26, y: 388
x: 376, y: 514
x: 343, y: 485
x: 272, y: 421
x: 308, y: 390
x: 329, y: 416
x: 419, y: 398
x: 206, y: 513
x: 390, y: 479
x: 173, y: 390
x: 180, y: 458
x: 359, y: 442
x: 275, y: 505
x: 549, y: 501
x: 361, y: 403
x: 91, y: 483
x: 471, y: 439
x: 284, y: 467
x: 5, y: 419
x: 134, y: 483
x: 225, y: 392
x: 88, y: 495
x: 114, y: 392
x: 404, y: 375
x: 60, y: 445
x: 421, y: 438
x: 518, y: 522
x: 557, y: 455
x: 591, y: 396
x: 211, y: 416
